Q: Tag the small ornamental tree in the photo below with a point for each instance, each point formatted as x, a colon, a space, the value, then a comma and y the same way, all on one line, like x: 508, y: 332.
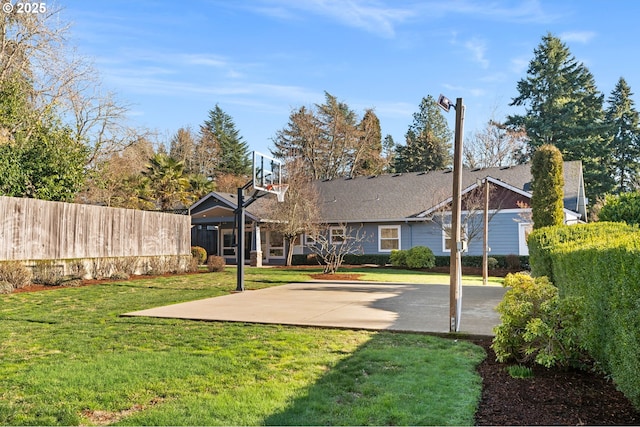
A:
x: 547, y: 186
x: 331, y: 248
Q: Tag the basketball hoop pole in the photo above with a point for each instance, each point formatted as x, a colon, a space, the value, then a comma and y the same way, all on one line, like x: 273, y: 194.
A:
x: 242, y: 205
x: 263, y: 181
x: 240, y: 221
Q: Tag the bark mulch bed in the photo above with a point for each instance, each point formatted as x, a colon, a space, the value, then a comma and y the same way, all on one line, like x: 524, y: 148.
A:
x: 550, y: 397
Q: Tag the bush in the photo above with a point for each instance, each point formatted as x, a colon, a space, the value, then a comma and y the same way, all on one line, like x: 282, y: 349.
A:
x: 47, y: 273
x: 216, y: 263
x: 420, y: 257
x: 77, y: 269
x: 15, y: 273
x: 199, y: 253
x: 623, y: 207
x: 536, y: 325
x: 492, y: 263
x: 193, y: 265
x: 398, y: 258
x: 5, y: 287
x: 513, y: 262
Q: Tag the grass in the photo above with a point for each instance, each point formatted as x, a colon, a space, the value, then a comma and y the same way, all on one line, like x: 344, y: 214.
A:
x: 409, y: 276
x: 67, y: 358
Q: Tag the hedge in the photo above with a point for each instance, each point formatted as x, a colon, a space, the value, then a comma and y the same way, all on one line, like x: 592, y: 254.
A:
x: 349, y: 259
x: 504, y: 261
x: 542, y: 240
x: 599, y: 264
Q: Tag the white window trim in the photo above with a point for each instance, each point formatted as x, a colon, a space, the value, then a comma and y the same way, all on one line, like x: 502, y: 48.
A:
x: 344, y: 235
x: 444, y: 236
x: 309, y: 240
x: 380, y: 239
x: 523, y: 248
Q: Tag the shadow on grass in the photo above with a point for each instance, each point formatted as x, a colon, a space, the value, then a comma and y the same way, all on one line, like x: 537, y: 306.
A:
x: 393, y: 379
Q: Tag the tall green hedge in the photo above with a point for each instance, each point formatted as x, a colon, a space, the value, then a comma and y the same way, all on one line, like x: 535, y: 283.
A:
x: 599, y: 263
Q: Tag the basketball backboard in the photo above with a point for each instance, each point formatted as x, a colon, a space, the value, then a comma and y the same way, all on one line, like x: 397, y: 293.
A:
x: 267, y: 175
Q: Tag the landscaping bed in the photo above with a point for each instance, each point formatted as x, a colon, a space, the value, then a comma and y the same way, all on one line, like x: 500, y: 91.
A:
x: 550, y: 397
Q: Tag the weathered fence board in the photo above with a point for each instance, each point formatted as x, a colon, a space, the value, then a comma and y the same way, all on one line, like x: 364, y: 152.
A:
x: 35, y: 229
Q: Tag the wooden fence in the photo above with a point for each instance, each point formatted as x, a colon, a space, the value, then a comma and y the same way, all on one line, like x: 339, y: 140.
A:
x: 35, y: 229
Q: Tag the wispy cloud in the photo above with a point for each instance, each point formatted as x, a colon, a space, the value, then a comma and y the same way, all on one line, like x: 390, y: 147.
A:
x: 478, y: 48
x: 368, y: 15
x: 577, y: 36
x: 524, y: 11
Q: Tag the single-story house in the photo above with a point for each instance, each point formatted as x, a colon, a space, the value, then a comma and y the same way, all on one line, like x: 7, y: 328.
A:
x: 397, y: 211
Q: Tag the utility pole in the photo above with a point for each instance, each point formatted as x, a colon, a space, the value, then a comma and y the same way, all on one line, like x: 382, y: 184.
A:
x: 455, y: 263
x: 485, y: 247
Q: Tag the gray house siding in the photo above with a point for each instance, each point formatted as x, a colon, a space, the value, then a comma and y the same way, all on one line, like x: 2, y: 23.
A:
x: 503, y: 236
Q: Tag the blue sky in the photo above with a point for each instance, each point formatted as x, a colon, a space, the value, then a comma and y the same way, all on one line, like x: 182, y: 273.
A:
x: 172, y: 61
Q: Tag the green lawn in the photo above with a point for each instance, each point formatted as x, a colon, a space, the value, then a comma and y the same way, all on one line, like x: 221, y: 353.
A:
x: 68, y: 358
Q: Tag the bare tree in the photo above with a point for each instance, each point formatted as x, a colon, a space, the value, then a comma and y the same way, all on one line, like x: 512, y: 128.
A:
x: 335, y: 243
x: 472, y: 222
x: 34, y: 48
x: 299, y: 212
x: 495, y: 146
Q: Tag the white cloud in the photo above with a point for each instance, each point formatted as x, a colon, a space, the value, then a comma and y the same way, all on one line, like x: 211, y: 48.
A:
x: 577, y: 36
x: 367, y: 15
x: 523, y: 11
x: 478, y: 49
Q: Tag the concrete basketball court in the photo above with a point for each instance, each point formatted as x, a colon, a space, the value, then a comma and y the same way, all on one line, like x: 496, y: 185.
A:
x: 349, y: 305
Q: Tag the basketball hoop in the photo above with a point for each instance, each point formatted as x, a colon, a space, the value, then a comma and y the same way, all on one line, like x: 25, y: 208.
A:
x: 279, y: 190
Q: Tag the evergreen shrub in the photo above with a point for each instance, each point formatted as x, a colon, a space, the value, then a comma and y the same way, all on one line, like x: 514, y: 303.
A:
x: 536, y: 325
x: 398, y: 258
x: 420, y: 257
x: 199, y: 253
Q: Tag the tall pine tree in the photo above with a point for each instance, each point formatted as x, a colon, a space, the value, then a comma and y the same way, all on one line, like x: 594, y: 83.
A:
x: 233, y: 155
x: 622, y: 118
x: 331, y: 140
x: 428, y: 145
x: 564, y: 108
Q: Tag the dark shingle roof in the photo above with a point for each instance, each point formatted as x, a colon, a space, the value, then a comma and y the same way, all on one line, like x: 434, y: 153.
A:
x: 397, y: 197
x: 400, y: 196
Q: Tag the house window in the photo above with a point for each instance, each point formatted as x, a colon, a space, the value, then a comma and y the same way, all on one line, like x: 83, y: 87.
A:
x: 276, y: 245
x: 388, y: 238
x: 336, y: 235
x: 446, y: 236
x: 309, y: 240
x: 523, y: 232
x: 228, y: 242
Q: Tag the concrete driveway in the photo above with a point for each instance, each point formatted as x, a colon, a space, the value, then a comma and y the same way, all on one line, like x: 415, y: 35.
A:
x: 350, y: 305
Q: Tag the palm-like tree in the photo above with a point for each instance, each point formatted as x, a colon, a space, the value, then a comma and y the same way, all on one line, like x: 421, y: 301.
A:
x: 169, y: 185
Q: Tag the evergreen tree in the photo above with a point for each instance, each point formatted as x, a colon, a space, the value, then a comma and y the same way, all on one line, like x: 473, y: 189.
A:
x: 622, y: 119
x: 368, y: 154
x: 547, y: 186
x: 388, y: 154
x: 233, y: 156
x: 330, y: 140
x: 564, y: 108
x: 40, y: 157
x: 428, y: 139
